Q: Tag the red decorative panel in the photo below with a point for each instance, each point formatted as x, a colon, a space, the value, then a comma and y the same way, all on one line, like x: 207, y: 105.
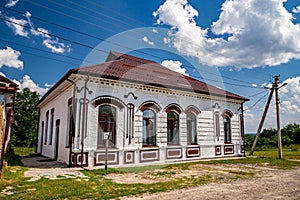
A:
x: 76, y: 159
x: 193, y: 152
x: 218, y: 150
x: 228, y: 149
x: 129, y: 157
x: 174, y: 153
x: 149, y: 155
x: 112, y: 158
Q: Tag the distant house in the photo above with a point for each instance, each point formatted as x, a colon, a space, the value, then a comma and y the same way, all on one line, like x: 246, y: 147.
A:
x: 7, y: 96
x: 152, y: 115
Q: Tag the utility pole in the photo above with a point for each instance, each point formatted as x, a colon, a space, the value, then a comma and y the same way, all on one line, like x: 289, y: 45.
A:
x: 262, y: 121
x: 276, y: 81
x: 274, y: 88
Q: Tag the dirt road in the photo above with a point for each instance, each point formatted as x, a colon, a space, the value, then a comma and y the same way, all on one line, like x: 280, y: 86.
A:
x: 269, y: 185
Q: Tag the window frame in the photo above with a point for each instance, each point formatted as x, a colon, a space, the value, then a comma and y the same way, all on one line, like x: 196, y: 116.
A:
x: 113, y: 136
x: 148, y: 132
x: 189, y: 131
x: 227, y: 129
x: 170, y: 138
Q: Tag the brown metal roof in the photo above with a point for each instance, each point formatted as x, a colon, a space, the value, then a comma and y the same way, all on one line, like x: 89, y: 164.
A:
x: 133, y: 69
x: 7, y: 85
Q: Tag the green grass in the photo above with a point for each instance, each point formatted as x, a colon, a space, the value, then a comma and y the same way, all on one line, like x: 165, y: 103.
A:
x: 23, y: 151
x: 99, y: 187
x: 287, y: 152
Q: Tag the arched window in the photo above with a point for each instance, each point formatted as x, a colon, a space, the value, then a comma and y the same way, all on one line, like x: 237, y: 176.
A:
x: 107, y: 123
x: 191, y: 128
x: 227, y: 129
x: 149, y: 128
x: 173, y: 127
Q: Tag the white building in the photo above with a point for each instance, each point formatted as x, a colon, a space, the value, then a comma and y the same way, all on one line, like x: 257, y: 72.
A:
x: 153, y: 115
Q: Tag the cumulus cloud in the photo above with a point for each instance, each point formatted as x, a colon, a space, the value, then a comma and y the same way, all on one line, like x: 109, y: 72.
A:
x: 27, y: 82
x: 249, y: 33
x: 17, y: 26
x: 55, y: 46
x: 296, y: 10
x: 146, y: 40
x: 289, y: 95
x: 11, y: 3
x: 10, y: 58
x: 175, y: 66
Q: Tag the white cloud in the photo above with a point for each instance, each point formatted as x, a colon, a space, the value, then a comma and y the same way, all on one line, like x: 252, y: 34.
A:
x: 296, y: 10
x: 146, y: 40
x: 174, y: 65
x: 27, y: 82
x: 289, y: 95
x: 17, y: 26
x: 51, y: 43
x: 154, y: 30
x: 11, y: 3
x: 10, y: 58
x: 167, y: 40
x: 254, y: 85
x: 249, y: 33
x: 55, y: 46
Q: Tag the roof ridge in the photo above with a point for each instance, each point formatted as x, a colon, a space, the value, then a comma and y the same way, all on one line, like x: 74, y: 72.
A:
x: 134, y: 58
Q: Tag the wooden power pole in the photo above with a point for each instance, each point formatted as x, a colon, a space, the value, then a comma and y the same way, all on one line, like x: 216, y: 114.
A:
x: 262, y: 121
x: 276, y: 88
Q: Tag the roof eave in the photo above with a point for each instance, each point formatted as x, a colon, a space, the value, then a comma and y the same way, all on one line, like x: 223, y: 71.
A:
x: 65, y: 77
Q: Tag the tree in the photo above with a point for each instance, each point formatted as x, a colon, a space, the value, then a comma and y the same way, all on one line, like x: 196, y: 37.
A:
x: 24, y: 130
x: 291, y: 134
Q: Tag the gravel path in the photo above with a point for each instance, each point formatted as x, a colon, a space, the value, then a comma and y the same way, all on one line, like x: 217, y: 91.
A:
x: 269, y: 185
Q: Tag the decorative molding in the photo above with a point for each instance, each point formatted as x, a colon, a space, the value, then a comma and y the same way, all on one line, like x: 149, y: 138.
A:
x: 227, y: 113
x: 107, y: 99
x: 193, y: 109
x: 76, y: 159
x: 192, y: 152
x: 218, y: 150
x: 148, y: 155
x: 128, y: 157
x: 150, y: 105
x: 156, y: 89
x: 173, y: 107
x: 228, y: 149
x: 174, y: 153
x: 112, y: 158
x: 216, y: 105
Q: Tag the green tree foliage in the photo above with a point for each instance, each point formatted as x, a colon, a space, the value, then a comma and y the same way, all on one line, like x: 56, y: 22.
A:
x: 24, y: 131
x: 290, y: 134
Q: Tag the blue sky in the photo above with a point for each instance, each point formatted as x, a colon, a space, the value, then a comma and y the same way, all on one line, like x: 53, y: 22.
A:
x: 235, y: 45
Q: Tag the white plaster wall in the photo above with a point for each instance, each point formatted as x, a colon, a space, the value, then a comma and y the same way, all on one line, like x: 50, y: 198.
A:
x: 205, y: 121
x: 99, y: 87
x: 60, y: 105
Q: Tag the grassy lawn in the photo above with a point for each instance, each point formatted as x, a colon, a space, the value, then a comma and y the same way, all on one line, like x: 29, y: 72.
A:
x: 13, y: 184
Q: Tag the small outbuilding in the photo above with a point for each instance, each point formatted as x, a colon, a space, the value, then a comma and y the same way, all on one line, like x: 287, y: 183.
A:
x: 7, y: 96
x: 150, y: 113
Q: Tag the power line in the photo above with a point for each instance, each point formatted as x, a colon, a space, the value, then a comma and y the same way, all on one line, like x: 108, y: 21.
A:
x: 87, y: 46
x: 260, y: 99
x: 70, y: 57
x: 37, y: 4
